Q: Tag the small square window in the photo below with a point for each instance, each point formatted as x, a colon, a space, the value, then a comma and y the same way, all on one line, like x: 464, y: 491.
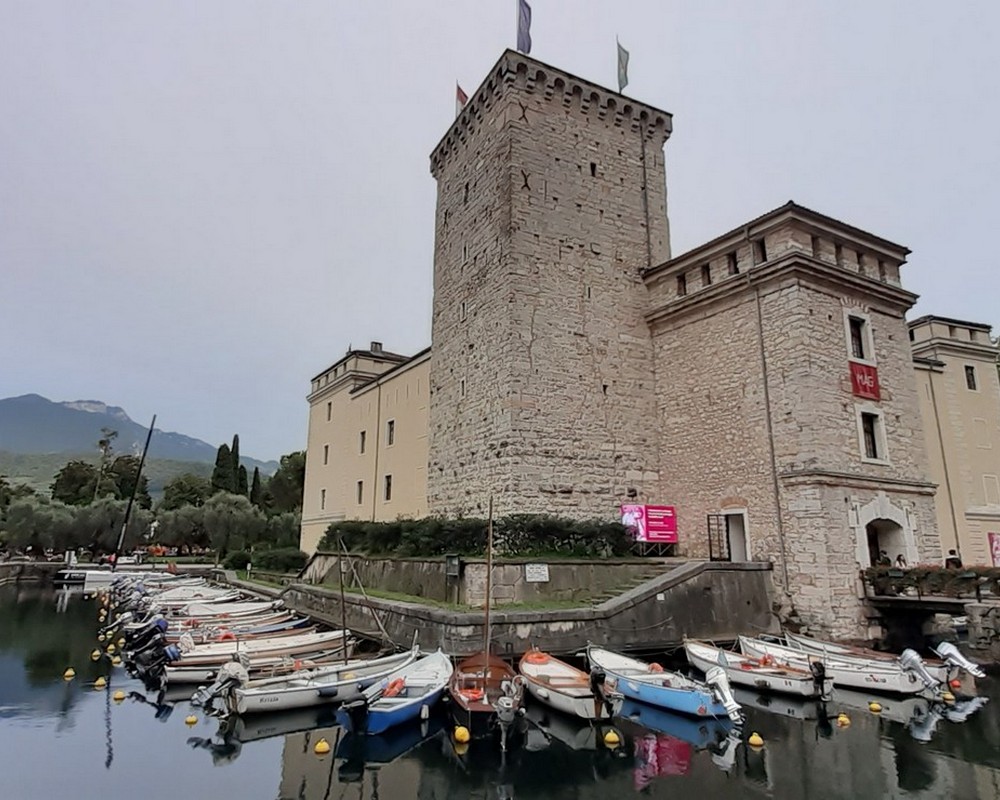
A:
x: 390, y: 432
x: 361, y: 492
x: 388, y: 488
x: 326, y: 454
x: 322, y: 499
x: 871, y: 434
x: 682, y: 285
x: 329, y: 411
x: 361, y: 441
x: 970, y: 378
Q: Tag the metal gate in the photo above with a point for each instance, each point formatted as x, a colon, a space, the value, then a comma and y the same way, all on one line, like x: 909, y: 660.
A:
x: 718, y: 537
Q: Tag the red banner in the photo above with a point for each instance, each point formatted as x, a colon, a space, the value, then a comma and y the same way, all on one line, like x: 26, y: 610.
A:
x: 864, y: 381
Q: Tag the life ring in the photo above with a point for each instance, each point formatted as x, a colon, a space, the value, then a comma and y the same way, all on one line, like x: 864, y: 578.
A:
x: 471, y: 694
x: 227, y: 636
x: 766, y: 660
x: 654, y: 667
x: 394, y: 688
x: 537, y: 657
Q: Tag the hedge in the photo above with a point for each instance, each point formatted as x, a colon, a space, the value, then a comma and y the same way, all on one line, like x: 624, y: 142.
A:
x: 515, y: 535
x: 286, y: 559
x: 237, y: 560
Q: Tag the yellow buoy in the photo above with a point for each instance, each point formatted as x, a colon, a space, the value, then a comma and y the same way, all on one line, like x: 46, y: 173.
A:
x: 461, y: 748
x: 100, y: 683
x: 121, y: 642
x: 755, y: 740
x: 191, y: 719
x: 875, y: 708
x: 948, y: 697
x: 612, y: 739
x: 461, y: 734
x: 322, y: 747
x: 118, y: 696
x: 96, y: 654
x: 111, y: 648
x: 843, y: 720
x: 116, y: 661
x: 69, y: 674
x: 100, y: 637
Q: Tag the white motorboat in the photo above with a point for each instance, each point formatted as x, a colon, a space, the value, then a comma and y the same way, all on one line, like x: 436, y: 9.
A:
x: 900, y: 676
x: 767, y: 674
x: 257, y: 666
x: 564, y: 687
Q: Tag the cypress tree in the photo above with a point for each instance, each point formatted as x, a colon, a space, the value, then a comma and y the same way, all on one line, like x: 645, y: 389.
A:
x: 255, y: 496
x: 241, y: 481
x: 235, y: 455
x: 223, y: 479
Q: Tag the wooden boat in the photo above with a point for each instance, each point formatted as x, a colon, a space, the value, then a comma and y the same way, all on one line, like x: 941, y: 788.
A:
x: 850, y: 671
x: 653, y: 685
x: 332, y: 684
x: 767, y: 674
x: 564, y: 687
x: 939, y: 670
x: 406, y: 694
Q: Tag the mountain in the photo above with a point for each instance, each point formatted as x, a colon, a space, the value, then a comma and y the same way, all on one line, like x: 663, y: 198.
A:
x: 32, y: 424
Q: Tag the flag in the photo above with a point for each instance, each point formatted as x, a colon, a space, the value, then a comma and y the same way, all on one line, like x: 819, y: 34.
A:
x: 622, y: 67
x: 523, y: 26
x: 461, y: 98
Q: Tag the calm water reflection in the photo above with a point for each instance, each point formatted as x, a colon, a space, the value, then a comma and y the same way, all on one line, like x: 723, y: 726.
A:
x: 61, y: 739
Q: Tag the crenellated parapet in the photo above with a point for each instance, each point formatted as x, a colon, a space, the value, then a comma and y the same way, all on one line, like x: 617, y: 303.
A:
x: 516, y: 72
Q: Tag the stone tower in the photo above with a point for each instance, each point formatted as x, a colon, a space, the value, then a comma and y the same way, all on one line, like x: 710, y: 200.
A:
x: 551, y: 200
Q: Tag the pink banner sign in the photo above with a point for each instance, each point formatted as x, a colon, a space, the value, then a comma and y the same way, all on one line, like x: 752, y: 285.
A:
x: 657, y: 524
x: 995, y: 548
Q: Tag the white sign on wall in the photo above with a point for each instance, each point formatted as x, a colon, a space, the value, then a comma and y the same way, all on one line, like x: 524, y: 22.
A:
x: 536, y: 573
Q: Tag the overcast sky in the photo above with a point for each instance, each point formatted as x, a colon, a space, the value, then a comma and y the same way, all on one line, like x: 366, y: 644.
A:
x: 200, y: 200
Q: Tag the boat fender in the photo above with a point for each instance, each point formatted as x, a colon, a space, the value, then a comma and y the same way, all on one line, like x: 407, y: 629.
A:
x: 654, y: 667
x: 394, y: 687
x: 162, y: 624
x: 172, y: 652
x: 543, y: 693
x: 227, y: 636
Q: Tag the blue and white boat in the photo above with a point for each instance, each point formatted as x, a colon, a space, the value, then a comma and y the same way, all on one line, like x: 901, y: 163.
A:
x: 408, y: 693
x: 650, y: 683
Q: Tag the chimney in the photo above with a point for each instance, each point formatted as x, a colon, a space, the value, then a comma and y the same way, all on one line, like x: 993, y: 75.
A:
x: 376, y: 347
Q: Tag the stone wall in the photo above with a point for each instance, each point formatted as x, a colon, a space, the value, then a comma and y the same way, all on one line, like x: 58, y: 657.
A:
x: 542, y: 389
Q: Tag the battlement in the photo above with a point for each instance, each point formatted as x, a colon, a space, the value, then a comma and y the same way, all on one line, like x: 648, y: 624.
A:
x: 517, y: 71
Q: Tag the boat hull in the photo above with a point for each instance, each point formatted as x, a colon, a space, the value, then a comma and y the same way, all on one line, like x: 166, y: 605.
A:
x: 786, y: 680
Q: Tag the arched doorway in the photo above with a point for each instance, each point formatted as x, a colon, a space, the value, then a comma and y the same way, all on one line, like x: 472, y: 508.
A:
x: 885, y: 537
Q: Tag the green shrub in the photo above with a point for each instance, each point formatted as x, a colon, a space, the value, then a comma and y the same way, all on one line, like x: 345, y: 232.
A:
x: 514, y: 535
x: 287, y: 559
x: 237, y: 560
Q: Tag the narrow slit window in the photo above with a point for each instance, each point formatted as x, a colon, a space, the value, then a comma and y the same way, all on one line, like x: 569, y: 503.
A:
x: 390, y: 432
x: 326, y: 454
x: 361, y: 492
x: 761, y: 247
x: 362, y: 440
x: 388, y: 488
x: 706, y: 275
x: 682, y: 285
x: 734, y: 264
x: 970, y: 378
x: 329, y: 411
x: 322, y: 499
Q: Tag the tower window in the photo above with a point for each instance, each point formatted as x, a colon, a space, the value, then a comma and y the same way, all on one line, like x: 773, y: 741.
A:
x: 329, y: 411
x: 970, y: 378
x: 838, y: 255
x: 390, y: 432
x: 761, y: 246
x: 463, y: 311
x: 734, y: 265
x: 465, y: 197
x: 860, y: 338
x: 388, y: 488
x: 682, y: 285
x: 326, y: 454
x: 883, y: 274
x: 362, y: 439
x: 593, y: 170
x: 870, y: 424
x: 706, y: 275
x: 322, y: 499
x: 814, y: 242
x: 361, y: 492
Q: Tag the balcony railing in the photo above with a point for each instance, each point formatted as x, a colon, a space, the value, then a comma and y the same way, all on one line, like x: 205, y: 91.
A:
x: 932, y: 581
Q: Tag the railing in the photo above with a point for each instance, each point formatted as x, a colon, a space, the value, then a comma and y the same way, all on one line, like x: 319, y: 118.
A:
x: 932, y: 581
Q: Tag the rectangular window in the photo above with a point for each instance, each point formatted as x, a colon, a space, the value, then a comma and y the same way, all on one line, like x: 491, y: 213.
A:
x: 870, y: 424
x: 390, y: 432
x: 859, y: 344
x: 463, y: 311
x: 361, y: 492
x: 322, y: 499
x: 462, y: 387
x: 761, y: 247
x: 329, y: 411
x: 682, y: 285
x: 706, y: 275
x: 814, y: 243
x: 883, y: 274
x: 388, y: 488
x: 734, y: 264
x: 838, y: 255
x: 970, y: 377
x: 326, y: 454
x: 361, y: 441
x: 861, y: 264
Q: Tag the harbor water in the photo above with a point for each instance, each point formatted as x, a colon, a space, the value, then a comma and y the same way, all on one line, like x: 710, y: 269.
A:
x: 67, y: 739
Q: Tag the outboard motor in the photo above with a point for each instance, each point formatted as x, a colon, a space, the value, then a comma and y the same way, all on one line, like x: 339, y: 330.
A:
x: 954, y: 658
x: 597, y: 678
x: 228, y: 677
x: 910, y: 661
x: 716, y: 678
x: 818, y: 670
x: 141, y: 639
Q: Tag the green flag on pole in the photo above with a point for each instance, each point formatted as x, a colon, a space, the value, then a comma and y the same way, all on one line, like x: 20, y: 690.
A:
x: 622, y: 66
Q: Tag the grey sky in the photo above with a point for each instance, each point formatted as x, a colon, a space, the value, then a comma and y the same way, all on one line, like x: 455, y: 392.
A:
x: 198, y: 199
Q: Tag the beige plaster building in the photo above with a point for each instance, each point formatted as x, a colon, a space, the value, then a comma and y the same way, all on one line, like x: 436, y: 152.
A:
x: 762, y: 383
x: 956, y: 364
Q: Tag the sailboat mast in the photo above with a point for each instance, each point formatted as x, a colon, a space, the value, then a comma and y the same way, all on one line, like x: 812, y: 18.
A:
x: 131, y: 499
x: 489, y: 592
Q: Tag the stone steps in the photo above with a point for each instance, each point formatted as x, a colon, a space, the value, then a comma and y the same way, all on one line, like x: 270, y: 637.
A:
x: 647, y: 575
